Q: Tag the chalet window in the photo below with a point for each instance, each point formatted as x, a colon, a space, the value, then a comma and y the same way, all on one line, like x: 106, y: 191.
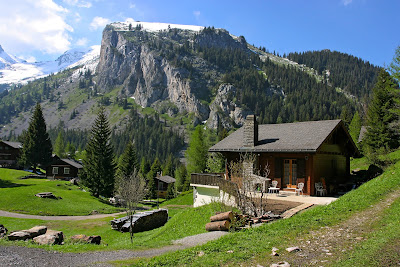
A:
x: 1, y: 147
x: 6, y: 147
x: 301, y: 168
x: 278, y: 168
x: 55, y: 170
x: 66, y: 170
x: 160, y: 186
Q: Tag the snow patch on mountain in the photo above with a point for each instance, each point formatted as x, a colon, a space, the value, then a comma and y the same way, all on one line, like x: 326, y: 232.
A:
x: 154, y: 26
x: 18, y: 71
x: 7, y: 60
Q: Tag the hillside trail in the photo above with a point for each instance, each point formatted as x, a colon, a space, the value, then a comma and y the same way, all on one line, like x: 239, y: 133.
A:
x: 327, y: 244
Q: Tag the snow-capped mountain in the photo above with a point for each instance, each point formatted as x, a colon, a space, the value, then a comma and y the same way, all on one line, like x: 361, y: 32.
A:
x: 6, y: 60
x: 15, y: 71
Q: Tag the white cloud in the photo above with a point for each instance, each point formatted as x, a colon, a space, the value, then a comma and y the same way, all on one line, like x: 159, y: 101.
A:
x: 197, y: 14
x: 132, y: 5
x: 99, y: 22
x: 77, y: 17
x: 78, y: 3
x: 34, y: 25
x: 82, y: 42
x: 346, y: 2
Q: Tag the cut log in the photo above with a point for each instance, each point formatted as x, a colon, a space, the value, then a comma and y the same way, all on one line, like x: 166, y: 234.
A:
x: 222, y: 216
x: 218, y: 226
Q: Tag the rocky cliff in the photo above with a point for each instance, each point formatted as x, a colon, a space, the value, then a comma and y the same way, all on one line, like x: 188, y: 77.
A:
x: 141, y: 64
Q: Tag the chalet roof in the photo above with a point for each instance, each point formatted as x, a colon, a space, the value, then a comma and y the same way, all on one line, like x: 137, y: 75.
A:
x: 166, y: 179
x: 304, y: 137
x: 13, y: 144
x: 72, y: 163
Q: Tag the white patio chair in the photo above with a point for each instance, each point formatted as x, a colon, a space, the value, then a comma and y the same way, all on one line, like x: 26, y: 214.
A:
x: 274, y: 187
x: 320, y: 190
x: 299, y: 189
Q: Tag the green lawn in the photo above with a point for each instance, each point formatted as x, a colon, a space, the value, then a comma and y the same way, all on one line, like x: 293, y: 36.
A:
x: 18, y: 195
x: 184, y: 222
x: 253, y: 246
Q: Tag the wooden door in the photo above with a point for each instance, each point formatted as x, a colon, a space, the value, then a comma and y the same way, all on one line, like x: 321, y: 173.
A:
x: 290, y: 173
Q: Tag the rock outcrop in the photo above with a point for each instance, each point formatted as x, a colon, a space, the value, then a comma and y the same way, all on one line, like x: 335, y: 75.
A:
x: 224, y: 111
x: 51, y: 237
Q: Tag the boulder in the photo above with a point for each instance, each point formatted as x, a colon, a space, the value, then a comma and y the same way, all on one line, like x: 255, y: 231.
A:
x: 28, y: 234
x: 93, y: 239
x: 142, y: 221
x: 20, y: 235
x: 51, y: 237
x: 3, y: 231
x: 46, y: 195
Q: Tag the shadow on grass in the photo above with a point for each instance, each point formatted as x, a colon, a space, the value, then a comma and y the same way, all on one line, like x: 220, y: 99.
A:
x: 8, y: 184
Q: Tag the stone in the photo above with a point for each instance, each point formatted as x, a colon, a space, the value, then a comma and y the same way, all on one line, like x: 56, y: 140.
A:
x: 93, y: 239
x: 275, y: 251
x: 3, y: 231
x: 46, y: 195
x: 51, y: 237
x: 293, y: 249
x: 28, y: 234
x: 280, y: 264
x: 142, y: 221
x: 19, y: 235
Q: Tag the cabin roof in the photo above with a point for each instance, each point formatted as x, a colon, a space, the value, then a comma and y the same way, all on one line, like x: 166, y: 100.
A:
x: 13, y: 144
x: 298, y: 137
x: 166, y: 179
x: 72, y: 163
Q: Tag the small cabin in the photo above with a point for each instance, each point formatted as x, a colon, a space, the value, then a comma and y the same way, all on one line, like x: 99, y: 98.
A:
x: 307, y: 152
x: 162, y: 184
x: 9, y: 153
x: 64, y: 169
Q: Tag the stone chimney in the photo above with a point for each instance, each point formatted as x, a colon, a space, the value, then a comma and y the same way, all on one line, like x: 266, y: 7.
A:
x: 250, y: 134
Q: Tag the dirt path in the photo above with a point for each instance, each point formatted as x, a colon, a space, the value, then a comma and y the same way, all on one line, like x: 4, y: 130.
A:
x: 328, y: 243
x: 56, y: 218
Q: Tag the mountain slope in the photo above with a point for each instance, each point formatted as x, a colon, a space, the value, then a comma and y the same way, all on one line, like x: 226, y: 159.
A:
x: 187, y: 74
x: 15, y: 71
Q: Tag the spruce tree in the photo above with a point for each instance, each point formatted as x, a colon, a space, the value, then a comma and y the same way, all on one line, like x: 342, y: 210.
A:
x: 37, y: 148
x: 151, y: 178
x: 180, y: 176
x: 196, y: 153
x: 98, y: 165
x: 128, y: 162
x: 380, y: 115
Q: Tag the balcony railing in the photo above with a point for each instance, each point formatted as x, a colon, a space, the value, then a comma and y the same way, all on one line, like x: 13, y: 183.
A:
x: 212, y: 179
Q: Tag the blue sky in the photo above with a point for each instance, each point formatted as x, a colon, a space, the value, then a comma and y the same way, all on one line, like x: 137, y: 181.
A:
x: 369, y: 29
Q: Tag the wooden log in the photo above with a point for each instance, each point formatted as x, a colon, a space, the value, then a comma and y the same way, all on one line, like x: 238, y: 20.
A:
x: 218, y: 226
x: 222, y: 216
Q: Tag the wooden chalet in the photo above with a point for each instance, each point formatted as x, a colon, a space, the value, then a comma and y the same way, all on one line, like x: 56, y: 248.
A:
x: 306, y: 152
x: 162, y: 184
x: 9, y: 153
x: 64, y: 169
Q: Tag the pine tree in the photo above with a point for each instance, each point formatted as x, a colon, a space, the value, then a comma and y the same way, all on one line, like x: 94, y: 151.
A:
x: 196, y: 153
x: 151, y: 178
x: 180, y: 176
x: 37, y: 148
x: 379, y: 134
x: 128, y: 162
x: 394, y: 67
x: 59, y: 147
x: 99, y: 165
x: 170, y: 191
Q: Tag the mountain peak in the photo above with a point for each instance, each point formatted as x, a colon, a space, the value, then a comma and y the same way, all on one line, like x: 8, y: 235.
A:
x: 153, y: 26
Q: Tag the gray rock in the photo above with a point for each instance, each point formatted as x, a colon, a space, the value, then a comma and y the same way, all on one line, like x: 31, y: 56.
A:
x: 51, y: 237
x: 293, y: 249
x: 280, y: 264
x: 93, y: 239
x: 3, y: 231
x: 142, y: 221
x: 275, y: 251
x: 28, y: 234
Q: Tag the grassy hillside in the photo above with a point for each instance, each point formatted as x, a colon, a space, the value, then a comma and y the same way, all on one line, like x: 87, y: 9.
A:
x: 18, y: 195
x: 254, y: 246
x: 185, y: 221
